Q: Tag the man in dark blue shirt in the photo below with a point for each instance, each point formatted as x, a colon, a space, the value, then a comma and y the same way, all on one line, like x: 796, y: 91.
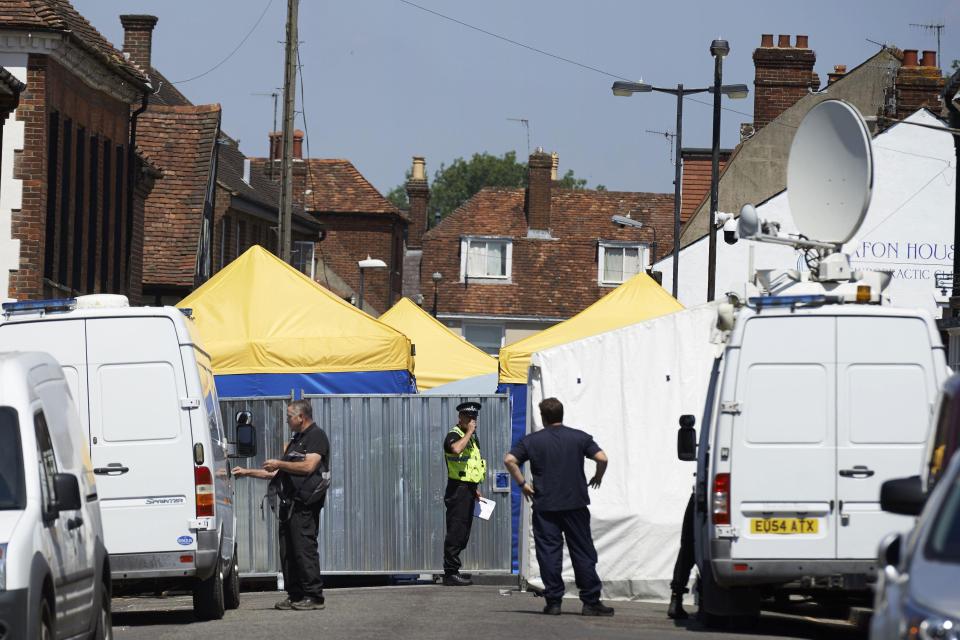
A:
x: 560, y: 499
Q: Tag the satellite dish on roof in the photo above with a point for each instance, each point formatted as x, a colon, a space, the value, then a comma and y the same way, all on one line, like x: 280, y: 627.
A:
x: 830, y: 173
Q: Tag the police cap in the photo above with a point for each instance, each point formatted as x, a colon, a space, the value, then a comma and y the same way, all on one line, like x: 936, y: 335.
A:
x: 472, y: 409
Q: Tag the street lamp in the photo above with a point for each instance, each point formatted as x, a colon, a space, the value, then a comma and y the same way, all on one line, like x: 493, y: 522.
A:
x: 626, y: 89
x: 437, y: 277
x: 624, y: 221
x: 369, y: 263
x: 718, y: 49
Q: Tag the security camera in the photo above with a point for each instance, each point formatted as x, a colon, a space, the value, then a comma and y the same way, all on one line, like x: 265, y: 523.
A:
x: 730, y: 231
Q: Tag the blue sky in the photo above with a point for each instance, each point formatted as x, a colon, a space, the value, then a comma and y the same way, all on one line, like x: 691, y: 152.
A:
x: 385, y: 81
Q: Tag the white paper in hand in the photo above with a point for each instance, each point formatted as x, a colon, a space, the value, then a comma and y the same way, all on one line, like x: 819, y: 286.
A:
x: 483, y: 508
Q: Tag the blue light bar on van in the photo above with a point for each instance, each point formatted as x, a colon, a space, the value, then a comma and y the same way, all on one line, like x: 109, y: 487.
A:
x: 60, y: 304
x: 810, y: 300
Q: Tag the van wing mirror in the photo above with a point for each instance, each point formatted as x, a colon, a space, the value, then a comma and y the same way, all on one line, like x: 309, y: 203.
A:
x: 687, y: 439
x: 903, y: 496
x: 246, y: 444
x: 888, y: 554
x: 67, y: 489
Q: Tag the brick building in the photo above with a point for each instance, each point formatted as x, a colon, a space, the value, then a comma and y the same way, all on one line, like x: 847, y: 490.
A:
x: 204, y: 172
x: 697, y: 166
x: 72, y: 213
x: 358, y: 221
x: 515, y: 261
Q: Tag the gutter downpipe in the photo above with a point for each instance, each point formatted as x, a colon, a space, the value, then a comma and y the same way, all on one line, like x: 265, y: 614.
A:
x: 132, y: 180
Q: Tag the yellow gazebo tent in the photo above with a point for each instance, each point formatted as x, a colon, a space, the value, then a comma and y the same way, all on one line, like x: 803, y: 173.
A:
x: 441, y: 355
x: 270, y: 329
x: 639, y: 298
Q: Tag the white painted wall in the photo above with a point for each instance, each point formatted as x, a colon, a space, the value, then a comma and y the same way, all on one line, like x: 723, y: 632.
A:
x: 908, y: 228
x: 11, y: 190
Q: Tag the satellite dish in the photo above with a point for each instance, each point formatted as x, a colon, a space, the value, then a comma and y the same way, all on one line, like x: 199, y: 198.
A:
x: 748, y: 224
x: 830, y: 173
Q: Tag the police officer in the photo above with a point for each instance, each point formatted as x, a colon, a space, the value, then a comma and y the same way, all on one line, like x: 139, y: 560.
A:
x: 465, y: 471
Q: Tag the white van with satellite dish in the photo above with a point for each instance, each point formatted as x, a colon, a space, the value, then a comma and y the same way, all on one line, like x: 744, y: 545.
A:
x: 54, y: 572
x: 821, y: 393
x: 148, y: 404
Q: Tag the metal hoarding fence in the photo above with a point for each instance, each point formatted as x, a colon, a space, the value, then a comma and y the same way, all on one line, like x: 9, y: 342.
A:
x: 384, y: 512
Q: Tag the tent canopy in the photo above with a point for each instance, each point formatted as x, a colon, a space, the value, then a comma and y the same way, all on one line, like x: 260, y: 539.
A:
x: 259, y: 315
x: 639, y: 298
x: 441, y: 355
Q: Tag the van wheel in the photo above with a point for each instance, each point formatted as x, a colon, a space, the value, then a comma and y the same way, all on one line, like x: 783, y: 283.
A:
x: 208, y: 596
x: 104, y: 630
x: 46, y: 621
x: 231, y: 588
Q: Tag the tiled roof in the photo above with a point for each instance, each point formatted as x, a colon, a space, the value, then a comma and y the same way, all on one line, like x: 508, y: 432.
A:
x: 180, y: 140
x: 59, y: 15
x: 165, y: 92
x: 550, y: 278
x: 339, y: 188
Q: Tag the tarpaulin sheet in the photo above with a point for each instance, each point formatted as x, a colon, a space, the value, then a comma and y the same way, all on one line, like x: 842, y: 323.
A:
x: 628, y: 388
x: 441, y: 356
x: 259, y: 315
x: 256, y: 385
x: 637, y: 299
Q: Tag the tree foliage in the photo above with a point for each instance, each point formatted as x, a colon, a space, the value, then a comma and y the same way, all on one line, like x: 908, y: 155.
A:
x: 455, y: 184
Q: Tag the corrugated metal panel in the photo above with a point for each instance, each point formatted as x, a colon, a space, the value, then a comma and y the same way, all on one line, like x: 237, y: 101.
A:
x: 384, y: 511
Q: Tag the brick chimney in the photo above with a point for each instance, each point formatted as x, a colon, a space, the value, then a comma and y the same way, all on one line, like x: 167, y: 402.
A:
x: 539, y: 168
x: 784, y: 74
x: 418, y: 193
x: 298, y: 144
x: 138, y: 38
x: 919, y: 83
x: 839, y: 70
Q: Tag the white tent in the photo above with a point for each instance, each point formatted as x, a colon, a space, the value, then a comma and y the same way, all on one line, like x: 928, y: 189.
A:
x: 908, y: 228
x: 627, y: 388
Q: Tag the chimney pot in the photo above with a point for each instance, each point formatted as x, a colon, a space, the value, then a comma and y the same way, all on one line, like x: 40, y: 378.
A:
x: 138, y: 38
x: 783, y: 41
x: 909, y: 57
x: 803, y: 42
x: 418, y: 172
x: 554, y: 169
x: 418, y: 195
x: 839, y: 68
x: 298, y: 144
x: 929, y: 59
x: 276, y: 145
x: 766, y: 40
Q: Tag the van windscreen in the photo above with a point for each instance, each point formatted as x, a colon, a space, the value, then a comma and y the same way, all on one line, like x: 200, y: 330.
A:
x: 13, y: 493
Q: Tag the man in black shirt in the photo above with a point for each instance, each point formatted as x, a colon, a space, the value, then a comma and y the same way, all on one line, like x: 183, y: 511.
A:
x: 303, y: 475
x: 560, y: 501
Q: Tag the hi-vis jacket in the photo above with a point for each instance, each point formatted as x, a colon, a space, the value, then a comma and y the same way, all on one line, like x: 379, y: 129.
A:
x: 468, y: 466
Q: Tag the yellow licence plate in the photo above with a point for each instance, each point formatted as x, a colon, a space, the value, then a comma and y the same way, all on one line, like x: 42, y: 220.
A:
x: 784, y: 526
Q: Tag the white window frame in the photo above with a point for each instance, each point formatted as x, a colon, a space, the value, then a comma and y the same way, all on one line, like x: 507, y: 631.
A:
x: 465, y: 249
x: 313, y: 257
x: 644, y: 255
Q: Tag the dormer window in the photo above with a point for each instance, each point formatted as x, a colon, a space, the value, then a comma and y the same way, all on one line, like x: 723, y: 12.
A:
x: 618, y: 262
x: 485, y: 258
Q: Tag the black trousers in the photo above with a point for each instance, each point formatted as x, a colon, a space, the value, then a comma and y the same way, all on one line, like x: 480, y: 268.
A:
x: 299, y: 556
x: 549, y: 530
x: 459, y: 499
x: 685, y: 557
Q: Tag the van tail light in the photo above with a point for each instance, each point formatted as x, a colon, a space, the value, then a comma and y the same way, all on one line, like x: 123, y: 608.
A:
x: 203, y: 480
x: 721, y: 498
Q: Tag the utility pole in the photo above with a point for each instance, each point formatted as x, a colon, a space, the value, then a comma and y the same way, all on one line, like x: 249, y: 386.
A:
x: 286, y: 163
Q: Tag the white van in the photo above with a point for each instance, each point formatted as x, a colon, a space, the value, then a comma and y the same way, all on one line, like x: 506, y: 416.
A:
x: 147, y: 400
x: 54, y: 572
x: 815, y: 404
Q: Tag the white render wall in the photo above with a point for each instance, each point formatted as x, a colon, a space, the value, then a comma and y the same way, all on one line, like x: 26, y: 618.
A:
x: 908, y: 228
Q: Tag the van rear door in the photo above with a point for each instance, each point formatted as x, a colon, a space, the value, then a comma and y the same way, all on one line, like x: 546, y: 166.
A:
x: 782, y: 417
x: 886, y: 388
x: 142, y: 444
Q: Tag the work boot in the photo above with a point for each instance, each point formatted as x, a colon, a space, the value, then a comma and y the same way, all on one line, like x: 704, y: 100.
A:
x: 596, y: 609
x: 307, y: 604
x: 675, y: 610
x: 456, y: 580
x: 552, y: 608
x: 285, y: 605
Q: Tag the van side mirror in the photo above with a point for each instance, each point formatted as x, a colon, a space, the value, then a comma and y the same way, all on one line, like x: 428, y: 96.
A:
x: 687, y: 439
x: 903, y: 496
x: 888, y: 554
x: 67, y: 490
x: 246, y: 444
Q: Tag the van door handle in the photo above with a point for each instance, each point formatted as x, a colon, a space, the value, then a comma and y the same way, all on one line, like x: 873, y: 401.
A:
x: 859, y: 471
x: 113, y: 469
x: 74, y: 523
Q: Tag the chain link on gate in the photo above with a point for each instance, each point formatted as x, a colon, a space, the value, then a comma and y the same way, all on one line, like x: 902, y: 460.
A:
x: 384, y: 512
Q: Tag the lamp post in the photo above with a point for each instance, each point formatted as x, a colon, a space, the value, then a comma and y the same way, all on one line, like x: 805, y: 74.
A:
x: 718, y: 49
x: 621, y: 88
x: 369, y: 263
x: 437, y: 277
x: 624, y: 221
